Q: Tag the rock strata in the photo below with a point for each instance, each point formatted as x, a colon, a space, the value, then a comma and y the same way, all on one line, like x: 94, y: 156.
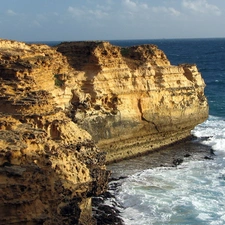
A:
x: 57, y: 102
x: 132, y: 100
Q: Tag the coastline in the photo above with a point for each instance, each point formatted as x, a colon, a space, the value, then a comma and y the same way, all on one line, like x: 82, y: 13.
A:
x: 106, y: 208
x: 58, y: 102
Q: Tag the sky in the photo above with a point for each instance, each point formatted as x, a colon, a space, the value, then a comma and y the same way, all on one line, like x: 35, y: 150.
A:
x: 71, y: 20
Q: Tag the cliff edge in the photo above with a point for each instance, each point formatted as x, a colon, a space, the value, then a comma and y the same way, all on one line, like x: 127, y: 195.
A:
x: 132, y: 100
x: 57, y: 102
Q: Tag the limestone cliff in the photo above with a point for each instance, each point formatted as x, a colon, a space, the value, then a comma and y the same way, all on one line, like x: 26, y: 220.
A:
x: 132, y: 100
x: 54, y: 102
x: 49, y: 167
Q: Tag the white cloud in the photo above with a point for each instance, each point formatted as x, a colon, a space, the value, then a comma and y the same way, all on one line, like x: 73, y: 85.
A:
x: 76, y: 12
x: 10, y: 12
x: 168, y: 10
x: 143, y: 9
x: 130, y: 5
x: 144, y: 6
x: 173, y: 11
x: 134, y: 6
x: 201, y: 6
x: 104, y: 7
x: 97, y: 13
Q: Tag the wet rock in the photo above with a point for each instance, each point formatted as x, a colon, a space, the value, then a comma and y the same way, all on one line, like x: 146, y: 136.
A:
x: 107, y: 215
x: 177, y: 162
x: 208, y: 157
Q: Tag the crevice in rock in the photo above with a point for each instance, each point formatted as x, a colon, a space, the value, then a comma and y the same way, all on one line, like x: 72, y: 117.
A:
x: 144, y: 119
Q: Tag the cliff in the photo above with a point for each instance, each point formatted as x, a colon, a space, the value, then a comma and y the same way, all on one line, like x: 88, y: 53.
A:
x: 56, y: 103
x: 49, y: 166
x: 132, y: 100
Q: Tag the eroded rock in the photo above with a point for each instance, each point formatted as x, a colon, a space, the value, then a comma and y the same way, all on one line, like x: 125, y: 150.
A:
x: 132, y: 100
x: 49, y: 166
x: 55, y: 102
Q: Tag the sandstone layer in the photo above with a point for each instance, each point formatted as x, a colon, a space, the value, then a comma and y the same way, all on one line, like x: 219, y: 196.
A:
x: 57, y: 102
x: 132, y: 100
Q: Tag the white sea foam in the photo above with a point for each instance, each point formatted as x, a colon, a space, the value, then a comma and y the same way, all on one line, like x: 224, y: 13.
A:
x: 214, y: 130
x: 192, y: 193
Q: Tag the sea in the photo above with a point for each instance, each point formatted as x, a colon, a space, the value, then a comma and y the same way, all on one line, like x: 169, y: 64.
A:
x: 150, y: 190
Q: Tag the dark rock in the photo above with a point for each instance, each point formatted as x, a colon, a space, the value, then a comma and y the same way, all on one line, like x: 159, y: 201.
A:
x: 208, y: 157
x: 106, y: 215
x: 212, y: 152
x: 177, y: 162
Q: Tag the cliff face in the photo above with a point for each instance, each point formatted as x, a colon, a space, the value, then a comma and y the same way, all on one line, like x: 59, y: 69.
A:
x: 131, y: 100
x: 49, y: 167
x: 55, y: 101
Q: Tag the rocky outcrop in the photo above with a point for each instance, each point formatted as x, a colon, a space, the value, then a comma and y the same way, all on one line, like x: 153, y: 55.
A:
x: 49, y: 166
x: 132, y: 100
x: 56, y: 103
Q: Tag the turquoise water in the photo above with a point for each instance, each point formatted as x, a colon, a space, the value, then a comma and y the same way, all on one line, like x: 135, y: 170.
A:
x: 193, y: 192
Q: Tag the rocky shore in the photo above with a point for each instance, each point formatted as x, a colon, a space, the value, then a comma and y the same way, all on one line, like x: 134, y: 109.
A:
x: 107, y: 208
x: 67, y: 111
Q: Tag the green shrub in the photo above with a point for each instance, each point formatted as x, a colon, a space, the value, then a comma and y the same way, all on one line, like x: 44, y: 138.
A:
x: 58, y: 81
x: 124, y: 51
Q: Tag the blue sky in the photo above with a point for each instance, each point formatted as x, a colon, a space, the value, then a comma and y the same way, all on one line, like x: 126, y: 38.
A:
x: 63, y: 20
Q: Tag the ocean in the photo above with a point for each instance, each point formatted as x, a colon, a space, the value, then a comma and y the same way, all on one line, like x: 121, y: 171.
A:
x: 147, y: 190
x: 194, y: 191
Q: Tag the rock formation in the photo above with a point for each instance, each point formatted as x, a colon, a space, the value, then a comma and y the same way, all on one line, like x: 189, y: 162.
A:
x: 131, y: 100
x: 49, y: 167
x: 57, y: 102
